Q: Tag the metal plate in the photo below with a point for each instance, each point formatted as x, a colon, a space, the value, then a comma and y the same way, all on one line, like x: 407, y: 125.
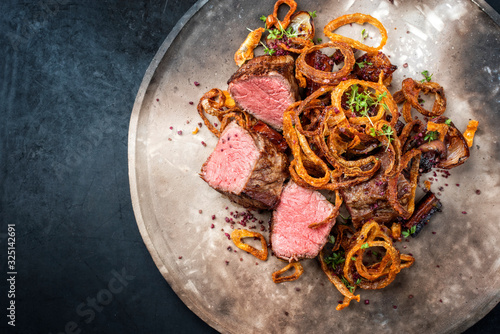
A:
x: 454, y: 281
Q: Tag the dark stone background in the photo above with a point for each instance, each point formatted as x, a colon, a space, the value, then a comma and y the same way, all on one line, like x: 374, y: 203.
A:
x: 70, y: 71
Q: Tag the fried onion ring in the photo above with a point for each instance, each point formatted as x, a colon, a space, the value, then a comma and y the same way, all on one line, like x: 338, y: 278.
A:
x: 303, y: 69
x: 236, y: 237
x: 245, y: 52
x: 335, y: 280
x: 299, y: 270
x: 411, y: 90
x: 273, y: 21
x: 359, y: 19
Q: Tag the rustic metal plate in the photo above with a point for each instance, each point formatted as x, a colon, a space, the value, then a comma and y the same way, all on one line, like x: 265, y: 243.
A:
x: 454, y: 281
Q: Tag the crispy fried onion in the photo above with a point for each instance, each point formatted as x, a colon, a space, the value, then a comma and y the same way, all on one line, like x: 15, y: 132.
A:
x: 217, y: 103
x: 378, y: 275
x: 239, y: 234
x: 333, y: 147
x: 245, y: 52
x: 470, y: 132
x: 291, y: 44
x: 359, y: 19
x: 409, y: 94
x: 299, y: 270
x: 345, y: 267
x: 273, y: 21
x: 304, y: 70
x: 335, y: 280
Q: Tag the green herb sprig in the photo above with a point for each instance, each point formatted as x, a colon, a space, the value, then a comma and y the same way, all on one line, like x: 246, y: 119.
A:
x: 346, y: 283
x: 427, y: 77
x: 364, y: 63
x: 279, y: 33
x: 431, y: 135
x: 410, y: 231
x: 364, y: 34
x: 335, y: 259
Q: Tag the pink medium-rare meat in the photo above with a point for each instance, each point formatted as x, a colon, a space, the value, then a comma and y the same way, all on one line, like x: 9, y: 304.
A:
x: 246, y: 167
x: 265, y: 86
x: 291, y: 236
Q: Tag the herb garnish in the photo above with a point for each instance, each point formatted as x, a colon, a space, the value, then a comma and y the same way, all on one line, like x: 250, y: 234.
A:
x: 312, y: 14
x: 364, y: 63
x: 346, y: 283
x: 336, y: 259
x: 267, y: 50
x: 331, y: 239
x: 362, y: 102
x: 364, y: 246
x: 410, y: 231
x: 431, y: 135
x: 279, y: 33
x: 447, y: 122
x: 364, y: 34
x: 426, y: 76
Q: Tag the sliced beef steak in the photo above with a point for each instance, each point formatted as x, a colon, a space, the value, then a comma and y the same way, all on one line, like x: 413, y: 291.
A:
x: 369, y: 200
x: 265, y: 86
x: 246, y: 167
x: 291, y: 236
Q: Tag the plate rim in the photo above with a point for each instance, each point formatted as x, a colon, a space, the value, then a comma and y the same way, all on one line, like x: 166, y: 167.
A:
x: 133, y: 126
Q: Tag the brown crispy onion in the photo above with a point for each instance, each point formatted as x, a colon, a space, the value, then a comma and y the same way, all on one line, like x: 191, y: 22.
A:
x: 299, y: 270
x: 245, y: 52
x: 378, y: 275
x: 304, y: 70
x: 351, y: 272
x: 411, y: 90
x: 335, y: 280
x: 470, y: 131
x: 236, y: 237
x: 296, y: 44
x: 359, y: 19
x: 273, y: 21
x: 215, y: 103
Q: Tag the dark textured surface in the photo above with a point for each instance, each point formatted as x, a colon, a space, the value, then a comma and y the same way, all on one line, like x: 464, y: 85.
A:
x: 69, y: 75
